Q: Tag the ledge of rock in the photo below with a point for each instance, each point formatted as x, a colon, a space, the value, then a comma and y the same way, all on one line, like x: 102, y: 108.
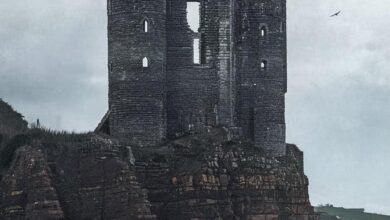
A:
x: 200, y: 176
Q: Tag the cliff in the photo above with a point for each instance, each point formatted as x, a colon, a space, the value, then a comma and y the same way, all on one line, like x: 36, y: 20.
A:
x: 201, y: 176
x: 69, y: 176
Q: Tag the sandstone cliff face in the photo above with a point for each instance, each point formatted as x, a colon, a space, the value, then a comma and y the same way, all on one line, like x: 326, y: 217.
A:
x: 210, y: 177
x: 72, y: 179
x: 202, y: 176
x: 28, y: 188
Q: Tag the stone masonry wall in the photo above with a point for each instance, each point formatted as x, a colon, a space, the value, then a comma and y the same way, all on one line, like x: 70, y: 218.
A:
x: 137, y: 95
x: 192, y: 89
x: 217, y: 44
x: 196, y: 113
x: 262, y: 89
x: 173, y: 95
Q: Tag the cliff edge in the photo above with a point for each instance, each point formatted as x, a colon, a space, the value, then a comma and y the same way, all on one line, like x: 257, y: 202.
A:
x: 65, y: 176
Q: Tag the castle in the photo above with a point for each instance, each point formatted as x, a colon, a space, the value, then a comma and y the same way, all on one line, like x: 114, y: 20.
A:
x: 217, y: 94
x: 166, y: 80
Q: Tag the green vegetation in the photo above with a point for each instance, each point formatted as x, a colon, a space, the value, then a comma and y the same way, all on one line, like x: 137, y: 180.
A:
x: 37, y: 136
x: 15, y: 134
x: 329, y: 212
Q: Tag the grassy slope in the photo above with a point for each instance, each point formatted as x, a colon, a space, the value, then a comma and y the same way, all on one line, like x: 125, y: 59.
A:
x: 348, y: 214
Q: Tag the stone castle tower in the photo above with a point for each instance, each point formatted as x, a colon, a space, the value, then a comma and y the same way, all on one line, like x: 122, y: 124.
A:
x: 159, y: 90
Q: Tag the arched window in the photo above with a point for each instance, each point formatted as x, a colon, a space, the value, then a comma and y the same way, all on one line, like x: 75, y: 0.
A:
x: 145, y: 62
x: 146, y: 26
x: 263, y: 31
x: 263, y: 65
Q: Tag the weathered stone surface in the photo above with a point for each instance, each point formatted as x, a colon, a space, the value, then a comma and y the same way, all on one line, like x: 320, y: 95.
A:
x: 200, y: 176
x: 206, y: 176
x: 240, y: 82
x: 180, y: 141
x: 27, y: 190
x: 79, y: 179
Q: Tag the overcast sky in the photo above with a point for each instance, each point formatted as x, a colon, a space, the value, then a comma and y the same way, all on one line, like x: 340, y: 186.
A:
x: 53, y: 67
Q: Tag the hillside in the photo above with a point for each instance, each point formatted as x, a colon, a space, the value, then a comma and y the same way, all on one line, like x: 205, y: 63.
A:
x: 332, y: 213
x: 12, y: 125
x: 11, y: 122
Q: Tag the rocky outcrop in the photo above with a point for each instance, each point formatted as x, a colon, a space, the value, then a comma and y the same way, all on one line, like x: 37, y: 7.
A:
x: 80, y: 179
x: 28, y: 190
x: 210, y: 177
x: 201, y: 176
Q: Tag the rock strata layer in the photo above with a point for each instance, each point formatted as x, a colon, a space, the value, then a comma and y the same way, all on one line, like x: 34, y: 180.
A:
x: 201, y: 176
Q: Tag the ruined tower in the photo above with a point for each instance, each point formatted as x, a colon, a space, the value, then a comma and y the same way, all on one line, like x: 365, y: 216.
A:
x: 158, y: 90
x: 261, y: 68
x: 216, y: 93
x: 137, y: 70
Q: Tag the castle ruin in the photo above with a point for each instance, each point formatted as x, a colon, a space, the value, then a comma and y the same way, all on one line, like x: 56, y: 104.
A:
x: 195, y: 125
x: 166, y: 80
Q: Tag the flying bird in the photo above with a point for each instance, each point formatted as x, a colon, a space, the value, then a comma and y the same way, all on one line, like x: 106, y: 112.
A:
x: 335, y: 14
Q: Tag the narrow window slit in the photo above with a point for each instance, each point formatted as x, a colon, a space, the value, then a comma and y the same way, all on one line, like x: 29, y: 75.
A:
x: 193, y: 20
x: 146, y: 26
x: 263, y: 31
x: 196, y: 47
x: 263, y: 65
x: 145, y: 62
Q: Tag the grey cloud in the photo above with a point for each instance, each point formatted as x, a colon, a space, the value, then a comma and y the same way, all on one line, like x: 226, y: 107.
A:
x: 53, y: 61
x: 338, y: 105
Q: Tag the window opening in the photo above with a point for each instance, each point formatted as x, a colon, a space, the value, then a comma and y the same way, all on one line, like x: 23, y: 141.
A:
x: 263, y: 65
x: 146, y: 26
x: 193, y: 20
x: 193, y: 15
x: 196, y: 51
x: 263, y: 31
x: 145, y: 62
